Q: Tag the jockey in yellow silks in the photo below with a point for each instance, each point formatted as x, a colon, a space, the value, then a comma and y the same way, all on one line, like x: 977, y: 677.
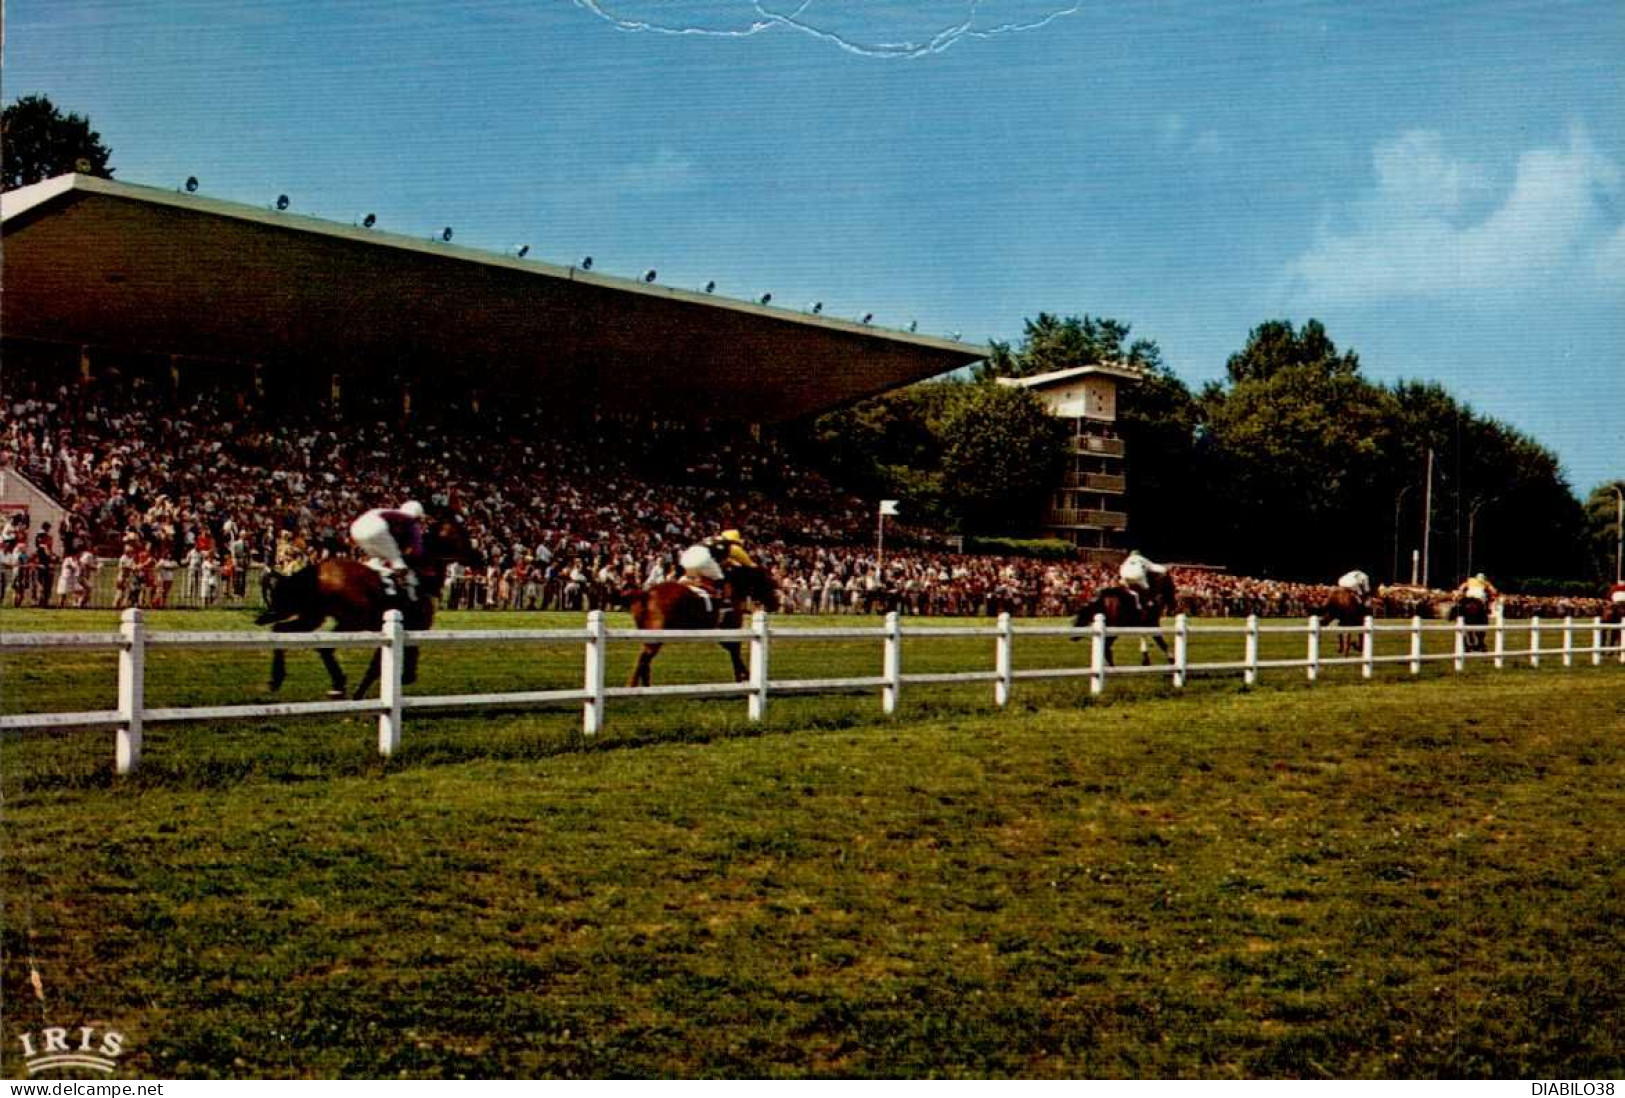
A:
x: 1478, y: 587
x: 704, y: 563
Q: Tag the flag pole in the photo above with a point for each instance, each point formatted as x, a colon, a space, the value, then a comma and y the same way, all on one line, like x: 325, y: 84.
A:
x: 880, y: 541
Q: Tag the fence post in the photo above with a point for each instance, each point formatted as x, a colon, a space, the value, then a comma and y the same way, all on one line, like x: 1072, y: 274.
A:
x: 1312, y: 659
x: 592, y: 710
x: 1249, y: 673
x: 1097, y: 654
x: 1368, y: 647
x: 1534, y: 640
x: 1499, y: 625
x: 758, y: 665
x: 1460, y: 662
x: 1182, y: 641
x: 1004, y: 660
x: 391, y: 660
x: 891, y: 664
x: 1416, y: 644
x: 132, y: 677
x: 1596, y: 641
x: 1568, y: 640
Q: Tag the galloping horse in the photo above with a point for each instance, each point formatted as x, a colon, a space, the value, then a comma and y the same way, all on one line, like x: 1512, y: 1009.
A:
x: 353, y: 595
x: 1476, y: 613
x: 1614, y: 613
x: 1122, y: 610
x: 673, y: 605
x: 1347, y: 611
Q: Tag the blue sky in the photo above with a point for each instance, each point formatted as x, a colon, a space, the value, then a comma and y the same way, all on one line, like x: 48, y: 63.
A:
x: 1442, y: 184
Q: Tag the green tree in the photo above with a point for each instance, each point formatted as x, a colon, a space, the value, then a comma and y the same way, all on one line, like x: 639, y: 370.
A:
x: 1274, y: 345
x: 1051, y: 343
x: 40, y: 142
x: 1295, y: 455
x: 1602, y: 529
x: 1003, y: 454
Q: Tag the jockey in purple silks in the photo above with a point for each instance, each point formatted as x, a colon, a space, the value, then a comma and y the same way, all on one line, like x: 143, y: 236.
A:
x: 393, y: 540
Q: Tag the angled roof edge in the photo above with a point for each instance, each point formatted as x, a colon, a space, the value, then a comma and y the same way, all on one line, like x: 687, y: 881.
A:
x: 1055, y: 377
x: 14, y: 204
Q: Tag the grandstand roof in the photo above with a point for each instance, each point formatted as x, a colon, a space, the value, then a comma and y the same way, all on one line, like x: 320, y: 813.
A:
x: 95, y: 262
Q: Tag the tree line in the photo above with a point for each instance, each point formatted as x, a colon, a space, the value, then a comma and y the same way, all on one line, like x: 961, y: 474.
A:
x: 1294, y: 465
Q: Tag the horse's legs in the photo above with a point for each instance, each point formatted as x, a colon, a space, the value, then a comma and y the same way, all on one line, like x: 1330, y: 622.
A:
x: 335, y: 673
x: 741, y: 673
x: 1109, y: 642
x: 640, y: 673
x: 1162, y: 644
x: 279, y: 658
x: 370, y: 676
x: 409, y: 672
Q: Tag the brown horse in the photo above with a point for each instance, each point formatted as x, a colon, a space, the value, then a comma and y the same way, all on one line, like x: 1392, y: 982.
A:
x: 1122, y: 609
x: 679, y: 606
x: 353, y: 595
x: 1476, y: 614
x: 1347, y: 610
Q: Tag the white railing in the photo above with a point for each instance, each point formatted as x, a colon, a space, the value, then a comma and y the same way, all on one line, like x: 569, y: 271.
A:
x: 134, y: 640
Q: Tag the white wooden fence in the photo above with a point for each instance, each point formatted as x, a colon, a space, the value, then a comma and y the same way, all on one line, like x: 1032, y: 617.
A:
x: 134, y: 640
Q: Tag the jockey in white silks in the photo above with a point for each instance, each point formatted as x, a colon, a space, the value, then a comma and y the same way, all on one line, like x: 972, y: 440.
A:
x: 389, y: 536
x: 703, y: 562
x: 1616, y: 594
x: 1135, y: 573
x: 1356, y: 581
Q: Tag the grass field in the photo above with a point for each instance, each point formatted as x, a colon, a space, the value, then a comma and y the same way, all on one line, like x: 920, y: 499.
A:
x: 1401, y: 878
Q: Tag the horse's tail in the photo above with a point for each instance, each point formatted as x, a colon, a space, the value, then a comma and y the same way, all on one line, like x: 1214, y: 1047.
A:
x: 637, y: 601
x: 1088, y: 611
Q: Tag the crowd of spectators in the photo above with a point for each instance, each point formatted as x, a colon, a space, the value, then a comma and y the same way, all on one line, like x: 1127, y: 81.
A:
x: 183, y: 498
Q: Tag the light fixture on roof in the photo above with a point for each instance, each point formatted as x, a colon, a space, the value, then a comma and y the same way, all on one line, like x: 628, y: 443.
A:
x: 191, y: 184
x: 281, y: 202
x: 954, y: 336
x: 817, y: 307
x: 369, y: 220
x: 586, y: 263
x: 914, y: 325
x: 649, y: 275
x: 83, y: 165
x: 519, y: 251
x: 867, y: 317
x: 445, y: 235
x: 765, y: 298
x: 710, y: 286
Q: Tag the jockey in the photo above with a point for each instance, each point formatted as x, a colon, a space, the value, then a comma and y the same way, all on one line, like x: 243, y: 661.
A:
x: 704, y: 563
x: 1135, y: 573
x: 1356, y: 581
x: 392, y: 538
x: 1478, y: 587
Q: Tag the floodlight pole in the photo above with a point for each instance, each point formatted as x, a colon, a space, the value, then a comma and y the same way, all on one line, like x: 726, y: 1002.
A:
x: 1619, y: 531
x: 1427, y: 516
x: 880, y: 544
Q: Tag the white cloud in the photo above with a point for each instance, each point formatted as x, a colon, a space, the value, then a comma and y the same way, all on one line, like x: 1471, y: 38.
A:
x: 1553, y: 229
x: 667, y: 172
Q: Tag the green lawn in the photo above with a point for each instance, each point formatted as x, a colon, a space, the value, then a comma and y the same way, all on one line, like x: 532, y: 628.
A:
x: 1401, y: 878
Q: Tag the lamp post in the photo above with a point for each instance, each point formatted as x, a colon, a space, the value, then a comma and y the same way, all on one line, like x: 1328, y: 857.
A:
x: 1472, y: 516
x: 1398, y: 499
x: 1427, y: 517
x: 1619, y: 531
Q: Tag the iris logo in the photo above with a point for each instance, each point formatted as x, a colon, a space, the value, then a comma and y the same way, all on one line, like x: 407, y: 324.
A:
x: 58, y: 1049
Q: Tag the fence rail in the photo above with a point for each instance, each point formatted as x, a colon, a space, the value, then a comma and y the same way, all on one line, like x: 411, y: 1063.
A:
x: 133, y: 640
